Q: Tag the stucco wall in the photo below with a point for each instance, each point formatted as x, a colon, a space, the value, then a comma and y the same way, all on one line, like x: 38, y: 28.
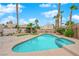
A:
x: 76, y: 31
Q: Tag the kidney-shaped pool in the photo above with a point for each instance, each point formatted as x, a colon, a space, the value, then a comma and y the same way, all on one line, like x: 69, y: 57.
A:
x: 40, y: 43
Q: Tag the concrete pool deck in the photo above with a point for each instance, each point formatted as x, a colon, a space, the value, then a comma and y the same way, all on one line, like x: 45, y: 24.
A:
x: 7, y: 43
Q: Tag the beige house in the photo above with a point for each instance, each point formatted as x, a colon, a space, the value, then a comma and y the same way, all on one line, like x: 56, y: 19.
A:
x: 10, y: 24
x: 48, y: 26
x: 46, y: 29
x: 8, y: 29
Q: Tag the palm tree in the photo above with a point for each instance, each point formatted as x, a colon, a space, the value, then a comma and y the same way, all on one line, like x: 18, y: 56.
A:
x: 57, y: 17
x: 56, y: 23
x: 36, y: 22
x: 58, y: 14
x: 17, y: 16
x: 37, y: 26
x: 30, y: 25
x: 73, y: 7
x: 61, y: 16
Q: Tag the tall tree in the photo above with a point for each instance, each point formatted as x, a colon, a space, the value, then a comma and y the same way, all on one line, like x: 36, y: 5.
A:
x: 36, y: 22
x: 61, y: 16
x: 17, y: 16
x: 73, y: 7
x: 57, y: 17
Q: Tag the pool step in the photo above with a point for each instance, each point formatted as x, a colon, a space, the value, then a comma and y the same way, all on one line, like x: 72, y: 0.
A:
x: 60, y: 42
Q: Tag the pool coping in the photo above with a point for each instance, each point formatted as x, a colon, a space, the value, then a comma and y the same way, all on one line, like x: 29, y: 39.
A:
x: 51, y: 49
x: 32, y: 38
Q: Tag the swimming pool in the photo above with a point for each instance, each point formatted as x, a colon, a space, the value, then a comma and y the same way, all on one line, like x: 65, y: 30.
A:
x: 40, y: 43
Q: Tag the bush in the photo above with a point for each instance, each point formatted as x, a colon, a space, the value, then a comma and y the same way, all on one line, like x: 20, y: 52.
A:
x: 28, y: 29
x: 69, y: 33
x: 61, y: 30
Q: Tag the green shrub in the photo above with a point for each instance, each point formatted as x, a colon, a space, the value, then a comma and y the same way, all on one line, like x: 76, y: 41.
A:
x: 61, y: 30
x: 69, y: 33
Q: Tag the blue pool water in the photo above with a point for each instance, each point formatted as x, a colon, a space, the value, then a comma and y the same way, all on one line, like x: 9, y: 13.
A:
x: 42, y: 42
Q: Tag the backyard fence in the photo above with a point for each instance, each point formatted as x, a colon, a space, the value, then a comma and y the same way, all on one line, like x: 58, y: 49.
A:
x: 76, y: 31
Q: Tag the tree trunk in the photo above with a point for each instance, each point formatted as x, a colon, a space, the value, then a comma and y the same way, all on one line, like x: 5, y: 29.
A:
x: 58, y: 17
x: 70, y: 15
x: 57, y: 23
x: 17, y: 16
x: 58, y: 14
x: 61, y: 20
x: 70, y: 19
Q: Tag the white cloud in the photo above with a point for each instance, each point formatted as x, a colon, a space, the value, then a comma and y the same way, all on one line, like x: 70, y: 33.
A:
x: 9, y: 18
x: 66, y: 1
x: 51, y: 13
x: 9, y: 8
x: 76, y: 17
x: 32, y: 20
x: 13, y: 19
x: 22, y: 21
x: 45, y: 5
x: 14, y: 5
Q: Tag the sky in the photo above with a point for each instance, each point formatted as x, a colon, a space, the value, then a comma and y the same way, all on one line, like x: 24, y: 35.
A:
x: 44, y: 12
